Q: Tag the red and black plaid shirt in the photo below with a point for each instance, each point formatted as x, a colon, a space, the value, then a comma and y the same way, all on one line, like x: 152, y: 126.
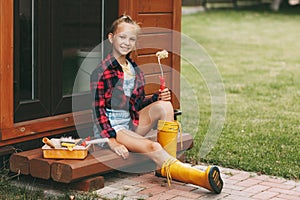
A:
x: 107, y: 92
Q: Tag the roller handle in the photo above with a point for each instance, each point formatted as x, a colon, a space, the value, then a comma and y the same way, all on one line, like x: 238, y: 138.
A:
x: 48, y: 142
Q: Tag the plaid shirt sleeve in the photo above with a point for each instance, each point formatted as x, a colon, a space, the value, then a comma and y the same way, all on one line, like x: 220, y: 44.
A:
x: 99, y: 79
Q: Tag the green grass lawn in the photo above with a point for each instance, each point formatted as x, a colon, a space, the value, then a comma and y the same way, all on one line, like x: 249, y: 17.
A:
x: 257, y: 53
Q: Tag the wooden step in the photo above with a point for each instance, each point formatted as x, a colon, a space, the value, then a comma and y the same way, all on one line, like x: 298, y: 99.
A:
x: 40, y: 167
x: 88, y: 184
x: 7, y: 150
x: 99, y: 162
x: 19, y: 162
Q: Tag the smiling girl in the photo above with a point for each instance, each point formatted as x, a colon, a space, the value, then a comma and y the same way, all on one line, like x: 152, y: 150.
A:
x: 124, y: 115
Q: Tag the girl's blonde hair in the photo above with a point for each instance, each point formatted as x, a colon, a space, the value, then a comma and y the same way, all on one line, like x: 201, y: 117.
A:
x: 126, y: 19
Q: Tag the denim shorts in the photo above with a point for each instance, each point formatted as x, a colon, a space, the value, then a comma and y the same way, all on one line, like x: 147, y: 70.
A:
x: 119, y: 119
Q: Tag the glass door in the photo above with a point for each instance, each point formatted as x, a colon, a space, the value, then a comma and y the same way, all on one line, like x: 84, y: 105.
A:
x: 52, y: 37
x: 77, y: 26
x: 31, y: 95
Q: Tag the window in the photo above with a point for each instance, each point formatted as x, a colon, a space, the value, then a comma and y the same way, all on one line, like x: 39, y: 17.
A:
x: 51, y: 39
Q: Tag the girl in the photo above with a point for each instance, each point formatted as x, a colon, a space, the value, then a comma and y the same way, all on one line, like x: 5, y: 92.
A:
x: 124, y: 115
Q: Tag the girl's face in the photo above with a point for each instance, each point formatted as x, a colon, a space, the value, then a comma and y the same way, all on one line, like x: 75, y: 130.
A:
x: 124, y: 39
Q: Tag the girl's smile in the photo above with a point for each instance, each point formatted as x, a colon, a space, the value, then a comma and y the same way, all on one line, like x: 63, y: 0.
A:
x: 124, y: 39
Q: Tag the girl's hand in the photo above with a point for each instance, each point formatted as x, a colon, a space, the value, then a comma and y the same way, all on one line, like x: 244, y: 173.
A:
x: 164, y: 95
x: 118, y: 148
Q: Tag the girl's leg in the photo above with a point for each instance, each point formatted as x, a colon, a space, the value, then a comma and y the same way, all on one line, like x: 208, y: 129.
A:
x: 138, y: 144
x: 135, y: 142
x: 170, y: 167
x: 159, y: 110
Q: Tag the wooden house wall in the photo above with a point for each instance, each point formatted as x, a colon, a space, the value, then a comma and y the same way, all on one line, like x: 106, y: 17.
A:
x: 159, y: 22
x: 151, y: 13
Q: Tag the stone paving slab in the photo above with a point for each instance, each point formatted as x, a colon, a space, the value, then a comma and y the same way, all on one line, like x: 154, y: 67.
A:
x: 238, y: 185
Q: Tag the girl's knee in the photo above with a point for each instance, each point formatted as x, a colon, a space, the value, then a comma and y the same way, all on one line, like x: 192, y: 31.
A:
x: 155, y: 146
x: 166, y: 104
x: 166, y: 110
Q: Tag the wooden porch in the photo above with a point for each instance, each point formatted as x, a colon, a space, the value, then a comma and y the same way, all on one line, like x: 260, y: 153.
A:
x: 82, y: 174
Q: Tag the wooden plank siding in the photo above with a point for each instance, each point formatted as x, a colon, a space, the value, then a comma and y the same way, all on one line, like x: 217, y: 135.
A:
x: 155, y: 6
x: 158, y: 21
x: 151, y: 13
x: 162, y: 20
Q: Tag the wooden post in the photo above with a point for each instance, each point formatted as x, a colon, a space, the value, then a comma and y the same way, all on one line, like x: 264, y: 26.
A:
x: 6, y: 63
x: 176, y: 41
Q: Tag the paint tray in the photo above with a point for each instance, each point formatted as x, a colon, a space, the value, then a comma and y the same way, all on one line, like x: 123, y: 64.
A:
x: 77, y: 152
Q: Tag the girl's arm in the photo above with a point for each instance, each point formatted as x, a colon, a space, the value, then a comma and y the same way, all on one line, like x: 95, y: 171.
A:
x: 149, y: 100
x: 99, y: 108
x: 163, y: 95
x: 118, y: 148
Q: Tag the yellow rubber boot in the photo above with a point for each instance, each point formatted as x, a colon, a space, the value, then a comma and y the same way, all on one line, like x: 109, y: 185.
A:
x: 167, y: 135
x: 209, y: 179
